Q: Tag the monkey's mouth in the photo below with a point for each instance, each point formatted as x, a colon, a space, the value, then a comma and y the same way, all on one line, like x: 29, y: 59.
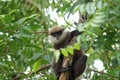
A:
x: 57, y: 37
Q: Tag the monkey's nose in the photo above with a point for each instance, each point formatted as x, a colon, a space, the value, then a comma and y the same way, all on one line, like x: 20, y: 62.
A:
x: 57, y: 37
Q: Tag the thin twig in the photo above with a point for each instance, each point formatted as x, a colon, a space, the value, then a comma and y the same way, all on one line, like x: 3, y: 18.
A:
x: 103, y: 73
x: 67, y: 22
x: 40, y: 32
x: 42, y: 68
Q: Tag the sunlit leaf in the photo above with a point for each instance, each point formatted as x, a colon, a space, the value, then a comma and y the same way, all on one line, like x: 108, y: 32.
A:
x: 64, y: 52
x: 57, y: 55
x: 36, y: 65
x: 70, y: 49
x: 90, y: 50
x: 95, y: 25
x: 88, y: 8
x: 99, y: 4
x: 82, y: 8
x: 77, y: 46
x: 20, y: 21
x: 51, y: 49
x: 92, y: 8
x: 15, y: 10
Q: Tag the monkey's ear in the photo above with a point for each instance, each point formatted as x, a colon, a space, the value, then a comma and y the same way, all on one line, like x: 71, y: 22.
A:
x: 76, y: 33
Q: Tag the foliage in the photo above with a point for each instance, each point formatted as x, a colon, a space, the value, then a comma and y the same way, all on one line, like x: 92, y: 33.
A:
x: 23, y: 30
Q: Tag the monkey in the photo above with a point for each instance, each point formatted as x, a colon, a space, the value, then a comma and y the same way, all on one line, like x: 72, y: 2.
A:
x: 61, y: 38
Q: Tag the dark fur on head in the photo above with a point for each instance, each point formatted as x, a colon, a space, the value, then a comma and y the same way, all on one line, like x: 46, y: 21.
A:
x: 63, y: 38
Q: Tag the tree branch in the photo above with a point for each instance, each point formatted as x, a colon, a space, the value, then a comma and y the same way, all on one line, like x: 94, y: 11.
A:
x: 103, y: 73
x: 40, y: 32
x: 19, y: 74
x: 42, y: 68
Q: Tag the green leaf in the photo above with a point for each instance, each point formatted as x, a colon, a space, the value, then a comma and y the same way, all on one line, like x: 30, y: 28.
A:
x: 20, y: 21
x: 82, y: 8
x: 8, y: 18
x: 13, y: 11
x: 92, y: 8
x: 64, y: 52
x: 36, y: 56
x: 27, y: 28
x: 51, y: 49
x: 57, y: 55
x: 114, y: 62
x: 88, y: 8
x: 99, y: 5
x: 36, y: 65
x: 95, y: 24
x: 22, y: 34
x: 90, y: 50
x: 77, y: 46
x: 70, y: 49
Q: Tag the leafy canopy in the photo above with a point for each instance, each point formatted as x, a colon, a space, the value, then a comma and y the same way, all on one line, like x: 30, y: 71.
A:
x: 23, y: 31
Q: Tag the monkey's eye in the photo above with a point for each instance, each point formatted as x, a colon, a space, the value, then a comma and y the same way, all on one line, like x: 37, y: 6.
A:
x: 57, y: 34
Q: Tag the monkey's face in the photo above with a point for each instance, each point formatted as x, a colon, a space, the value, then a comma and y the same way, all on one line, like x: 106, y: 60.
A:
x: 56, y: 37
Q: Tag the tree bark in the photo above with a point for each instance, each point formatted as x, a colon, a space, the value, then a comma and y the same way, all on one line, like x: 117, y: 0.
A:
x: 66, y: 62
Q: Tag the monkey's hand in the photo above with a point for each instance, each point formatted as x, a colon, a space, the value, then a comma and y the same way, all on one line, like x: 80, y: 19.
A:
x: 64, y: 69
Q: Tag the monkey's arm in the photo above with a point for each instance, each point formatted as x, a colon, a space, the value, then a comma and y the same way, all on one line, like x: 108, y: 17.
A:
x: 57, y: 66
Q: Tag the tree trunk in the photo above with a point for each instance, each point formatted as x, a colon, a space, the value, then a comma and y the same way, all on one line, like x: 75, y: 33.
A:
x: 66, y: 62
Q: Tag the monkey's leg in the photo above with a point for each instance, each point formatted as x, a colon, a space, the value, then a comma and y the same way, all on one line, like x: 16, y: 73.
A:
x: 79, y: 66
x: 57, y: 66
